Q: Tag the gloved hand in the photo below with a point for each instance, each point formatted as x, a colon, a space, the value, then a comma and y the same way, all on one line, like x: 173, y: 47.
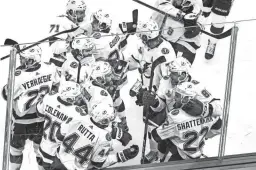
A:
x: 128, y: 153
x: 149, y: 98
x: 191, y: 26
x: 121, y: 135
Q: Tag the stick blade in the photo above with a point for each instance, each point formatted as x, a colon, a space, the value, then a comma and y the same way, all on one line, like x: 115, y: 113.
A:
x: 9, y: 41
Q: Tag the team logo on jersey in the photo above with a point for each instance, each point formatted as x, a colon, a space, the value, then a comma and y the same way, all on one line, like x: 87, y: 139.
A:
x: 175, y: 112
x: 165, y: 51
x: 74, y: 65
x: 103, y: 93
x: 108, y: 137
x: 17, y: 73
x: 170, y: 31
x: 97, y: 35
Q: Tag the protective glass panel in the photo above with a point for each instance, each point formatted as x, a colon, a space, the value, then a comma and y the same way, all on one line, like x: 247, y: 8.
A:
x: 73, y: 153
x: 241, y: 127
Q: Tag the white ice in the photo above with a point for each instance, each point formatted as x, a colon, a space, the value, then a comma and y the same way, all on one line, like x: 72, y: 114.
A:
x: 28, y: 21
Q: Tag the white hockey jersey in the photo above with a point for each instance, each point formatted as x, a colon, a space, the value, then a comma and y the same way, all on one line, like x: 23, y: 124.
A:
x: 30, y: 87
x: 108, y: 45
x: 174, y: 28
x: 95, y: 94
x: 63, y: 23
x: 85, y: 145
x: 75, y: 70
x: 166, y: 97
x: 54, y: 111
x: 187, y: 132
x: 146, y: 56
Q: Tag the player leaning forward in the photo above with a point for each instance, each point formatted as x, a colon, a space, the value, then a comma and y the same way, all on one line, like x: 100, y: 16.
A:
x: 86, y: 142
x: 75, y: 17
x: 33, y: 79
x: 203, y: 104
x: 183, y: 30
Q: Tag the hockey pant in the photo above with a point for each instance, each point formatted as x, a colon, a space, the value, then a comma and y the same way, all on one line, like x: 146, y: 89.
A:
x: 20, y: 133
x: 185, y: 49
x: 119, y: 105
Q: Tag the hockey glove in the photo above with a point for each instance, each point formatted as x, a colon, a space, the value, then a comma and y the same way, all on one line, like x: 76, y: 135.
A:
x: 120, y: 135
x: 139, y: 96
x: 191, y: 26
x: 194, y: 107
x: 128, y: 153
x: 149, y: 98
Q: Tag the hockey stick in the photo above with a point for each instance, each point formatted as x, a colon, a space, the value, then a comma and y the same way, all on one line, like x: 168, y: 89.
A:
x: 39, y: 42
x: 155, y: 63
x: 218, y: 36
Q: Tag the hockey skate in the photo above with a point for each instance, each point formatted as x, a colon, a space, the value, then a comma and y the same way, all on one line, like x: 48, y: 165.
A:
x: 151, y: 157
x: 210, y: 50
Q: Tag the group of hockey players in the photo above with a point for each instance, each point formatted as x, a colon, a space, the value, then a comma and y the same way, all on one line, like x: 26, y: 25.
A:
x: 71, y: 107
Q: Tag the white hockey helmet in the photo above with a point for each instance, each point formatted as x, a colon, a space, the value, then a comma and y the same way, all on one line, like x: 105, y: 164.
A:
x: 102, y: 19
x: 179, y: 65
x: 83, y: 46
x: 102, y: 113
x: 31, y: 56
x: 102, y: 72
x: 75, y: 10
x: 181, y: 3
x: 147, y: 30
x: 185, y: 91
x: 70, y: 92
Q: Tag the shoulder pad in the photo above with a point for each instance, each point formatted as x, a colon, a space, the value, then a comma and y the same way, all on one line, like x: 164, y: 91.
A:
x: 108, y: 137
x: 175, y: 112
x: 165, y: 51
x: 74, y: 65
x: 17, y: 72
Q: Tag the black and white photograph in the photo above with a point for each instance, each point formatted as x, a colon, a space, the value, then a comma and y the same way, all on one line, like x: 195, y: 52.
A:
x: 127, y: 84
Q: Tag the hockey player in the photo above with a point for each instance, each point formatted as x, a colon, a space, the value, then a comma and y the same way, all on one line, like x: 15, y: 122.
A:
x: 109, y: 40
x: 75, y: 16
x: 33, y: 79
x: 86, y: 144
x: 106, y: 77
x: 178, y: 73
x: 151, y: 46
x: 220, y: 10
x: 79, y: 59
x: 56, y: 109
x: 183, y: 30
x: 186, y: 129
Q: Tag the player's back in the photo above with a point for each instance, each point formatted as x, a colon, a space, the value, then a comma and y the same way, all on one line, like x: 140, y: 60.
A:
x: 97, y: 95
x: 83, y: 141
x: 108, y: 46
x: 74, y: 70
x: 30, y: 87
x: 190, y: 132
x: 55, y: 111
x: 173, y: 29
